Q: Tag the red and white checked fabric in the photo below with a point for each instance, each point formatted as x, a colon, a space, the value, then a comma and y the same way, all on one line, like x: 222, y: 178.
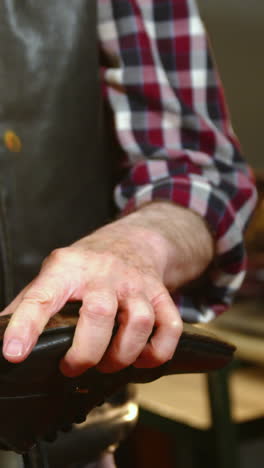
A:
x: 172, y: 122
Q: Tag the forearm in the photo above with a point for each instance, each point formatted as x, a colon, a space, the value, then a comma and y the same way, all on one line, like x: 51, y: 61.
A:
x: 188, y: 157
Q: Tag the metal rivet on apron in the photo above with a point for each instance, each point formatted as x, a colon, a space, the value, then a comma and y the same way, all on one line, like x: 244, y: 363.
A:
x: 12, y: 141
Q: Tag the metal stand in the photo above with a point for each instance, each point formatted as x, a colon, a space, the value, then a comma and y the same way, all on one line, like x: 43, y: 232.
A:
x: 223, y: 427
x: 36, y: 457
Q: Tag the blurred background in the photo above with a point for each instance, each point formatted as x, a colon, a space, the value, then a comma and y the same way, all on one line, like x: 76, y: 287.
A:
x: 236, y: 31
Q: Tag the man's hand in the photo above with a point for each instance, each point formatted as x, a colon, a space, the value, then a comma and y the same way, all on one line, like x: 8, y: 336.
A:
x: 122, y: 274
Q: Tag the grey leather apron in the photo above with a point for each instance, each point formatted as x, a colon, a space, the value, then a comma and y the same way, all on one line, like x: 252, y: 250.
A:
x: 55, y: 181
x: 55, y: 178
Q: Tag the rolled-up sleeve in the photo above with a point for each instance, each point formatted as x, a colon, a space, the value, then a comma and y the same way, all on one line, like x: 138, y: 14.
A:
x: 172, y: 123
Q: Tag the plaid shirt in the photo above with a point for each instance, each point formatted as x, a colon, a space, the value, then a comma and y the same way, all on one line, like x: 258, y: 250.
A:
x: 172, y: 122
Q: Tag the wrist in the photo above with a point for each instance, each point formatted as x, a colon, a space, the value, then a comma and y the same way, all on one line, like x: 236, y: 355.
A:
x: 134, y: 237
x: 180, y: 241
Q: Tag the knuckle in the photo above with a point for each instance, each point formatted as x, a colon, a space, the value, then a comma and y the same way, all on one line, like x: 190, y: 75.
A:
x: 37, y: 295
x: 143, y: 322
x: 129, y: 288
x: 97, y: 312
x: 64, y: 254
x: 58, y: 254
x: 160, y: 298
x: 176, y: 328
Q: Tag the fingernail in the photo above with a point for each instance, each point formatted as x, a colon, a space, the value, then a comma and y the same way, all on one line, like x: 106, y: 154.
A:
x: 14, y: 348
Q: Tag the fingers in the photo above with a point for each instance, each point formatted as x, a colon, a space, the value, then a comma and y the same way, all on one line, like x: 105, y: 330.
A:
x: 66, y: 277
x: 31, y: 311
x: 129, y: 346
x: 93, y: 332
x: 167, y: 333
x: 136, y: 320
x: 137, y: 317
